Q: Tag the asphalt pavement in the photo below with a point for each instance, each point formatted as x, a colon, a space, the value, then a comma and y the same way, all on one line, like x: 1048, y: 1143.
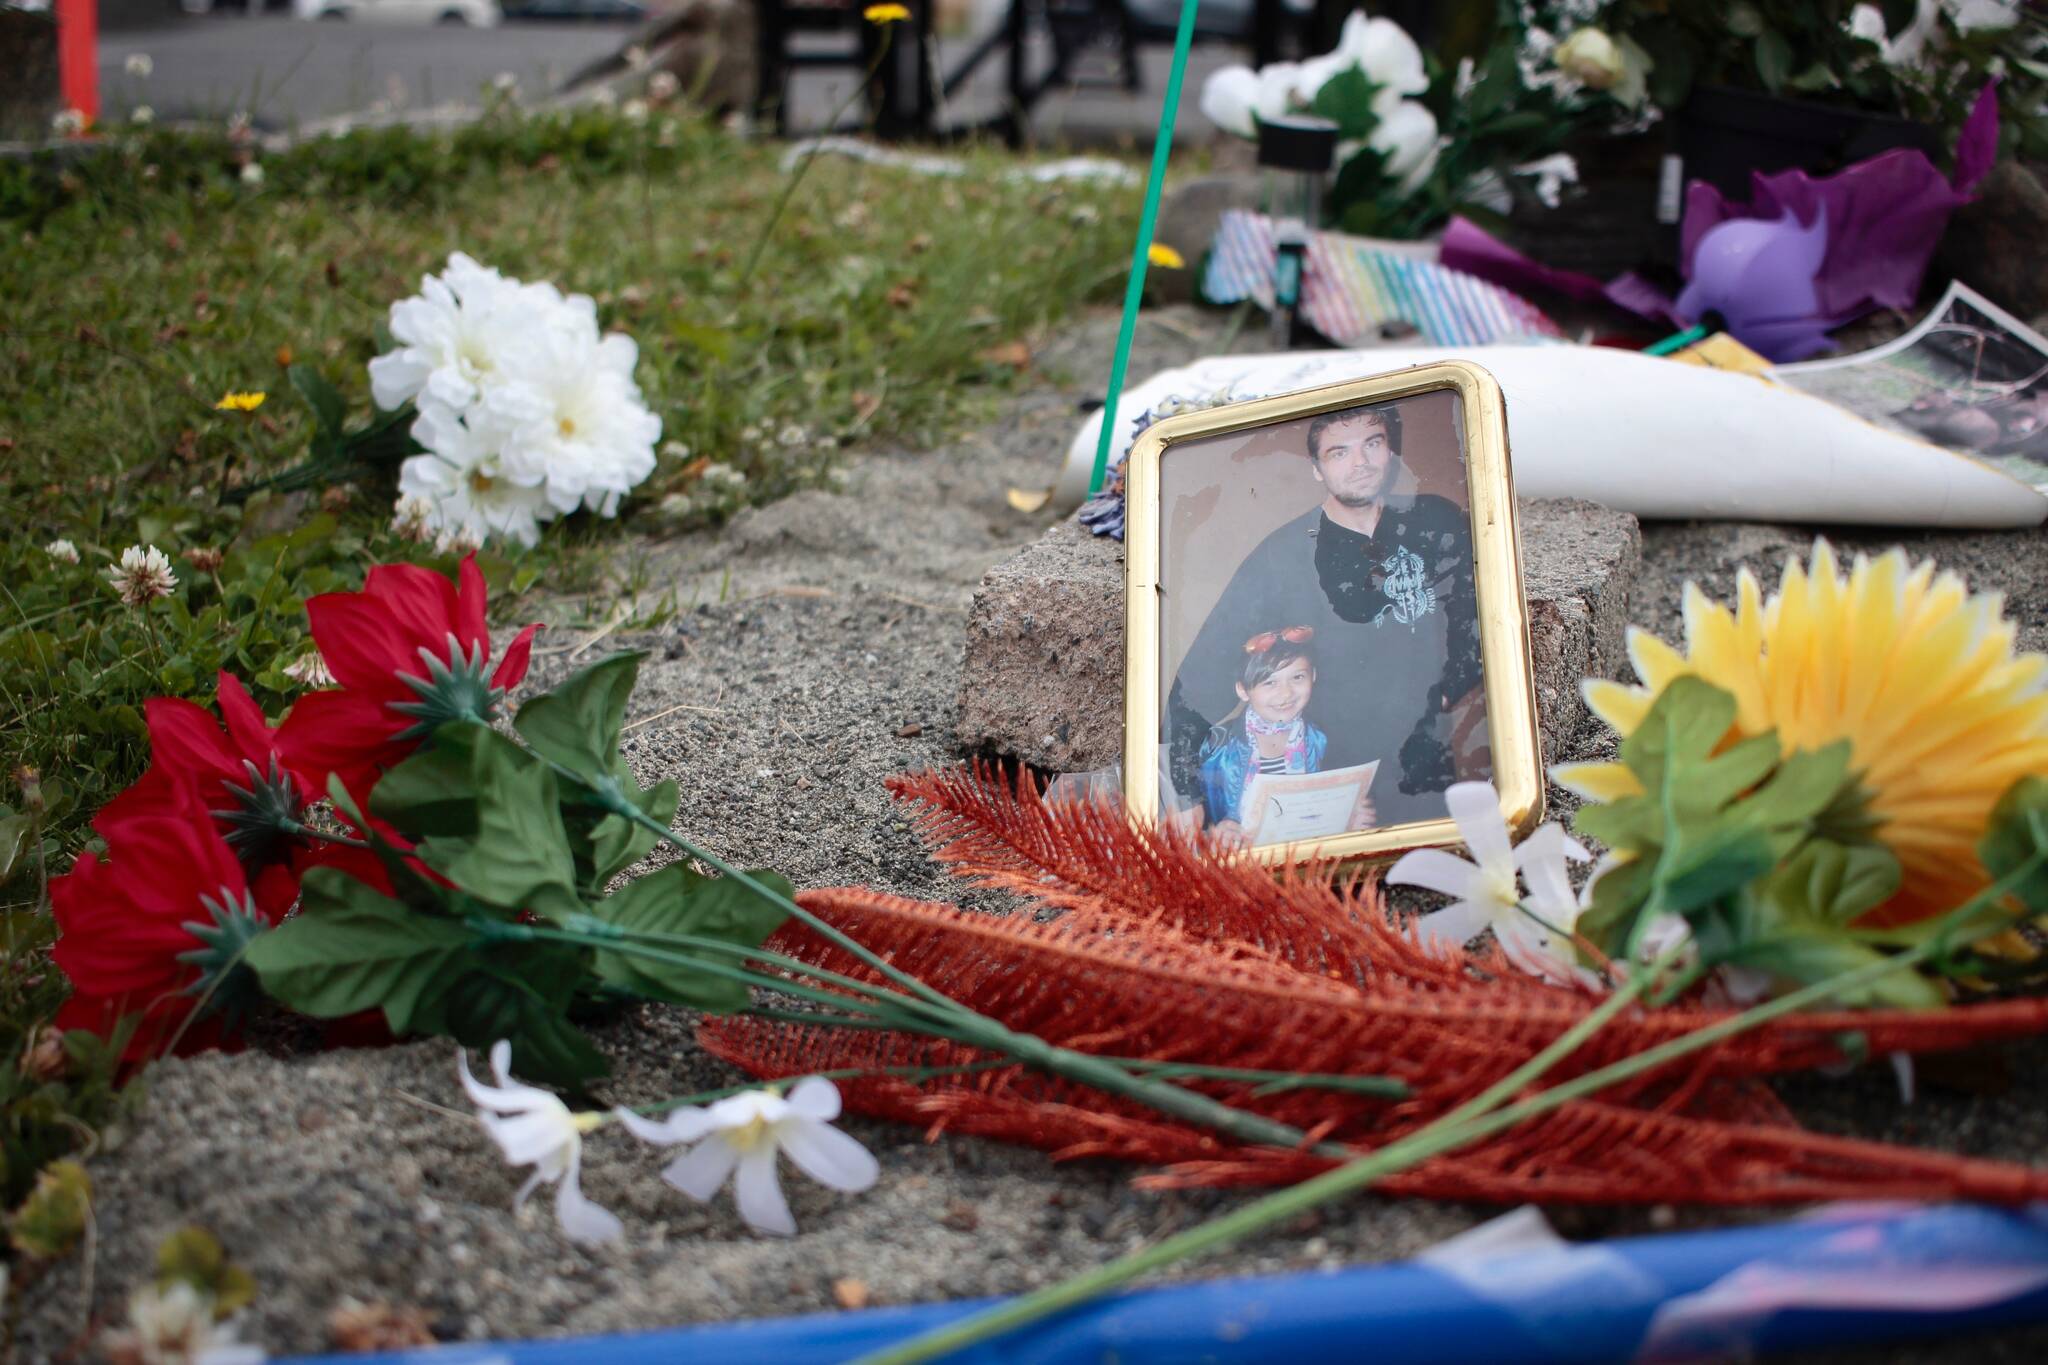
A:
x: 285, y: 72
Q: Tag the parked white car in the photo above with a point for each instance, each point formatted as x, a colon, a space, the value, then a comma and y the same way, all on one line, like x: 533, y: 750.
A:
x: 475, y: 13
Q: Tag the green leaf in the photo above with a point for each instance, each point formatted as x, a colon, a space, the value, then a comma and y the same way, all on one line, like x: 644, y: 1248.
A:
x: 1832, y: 884
x: 430, y: 793
x: 676, y: 900
x: 517, y: 857
x: 616, y: 843
x: 353, y: 949
x: 1711, y: 819
x: 16, y: 844
x: 1773, y: 60
x: 577, y: 724
x: 327, y: 405
x: 1809, y: 959
x: 2016, y: 836
x: 1346, y: 100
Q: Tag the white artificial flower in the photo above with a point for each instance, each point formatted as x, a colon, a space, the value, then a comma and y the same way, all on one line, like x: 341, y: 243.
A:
x: 568, y: 417
x: 464, y: 486
x: 1382, y: 50
x: 1237, y: 98
x: 62, y: 550
x: 526, y: 411
x: 1591, y: 58
x: 1551, y: 174
x: 1485, y: 894
x: 142, y: 116
x: 532, y: 1127
x: 1406, y: 136
x: 176, y: 1326
x: 310, y: 670
x: 67, y: 122
x: 138, y: 65
x: 1909, y: 44
x: 739, y: 1137
x: 143, y: 575
x: 1971, y: 15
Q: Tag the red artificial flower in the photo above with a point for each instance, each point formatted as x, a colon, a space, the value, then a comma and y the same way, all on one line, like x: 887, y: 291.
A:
x: 240, y: 774
x: 155, y: 925
x: 409, y: 652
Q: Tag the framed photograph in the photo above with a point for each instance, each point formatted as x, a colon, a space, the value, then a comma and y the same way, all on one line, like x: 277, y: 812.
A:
x: 1325, y: 621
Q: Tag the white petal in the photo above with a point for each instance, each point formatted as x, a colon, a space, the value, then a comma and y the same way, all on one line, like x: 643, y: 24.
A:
x: 815, y: 1098
x: 829, y: 1156
x: 1435, y: 870
x: 530, y: 1138
x: 533, y: 1182
x: 759, y: 1194
x: 1407, y: 135
x: 1534, y: 950
x: 1227, y: 99
x: 581, y: 1220
x: 686, y: 1124
x: 516, y: 1094
x: 1541, y: 860
x: 1476, y: 808
x: 480, y: 1094
x: 701, y: 1170
x: 1454, y: 926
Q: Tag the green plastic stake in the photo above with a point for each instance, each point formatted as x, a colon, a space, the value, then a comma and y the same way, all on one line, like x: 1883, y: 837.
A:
x: 1162, y: 147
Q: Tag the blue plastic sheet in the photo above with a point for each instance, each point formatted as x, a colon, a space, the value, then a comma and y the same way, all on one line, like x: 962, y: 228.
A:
x: 1705, y: 1294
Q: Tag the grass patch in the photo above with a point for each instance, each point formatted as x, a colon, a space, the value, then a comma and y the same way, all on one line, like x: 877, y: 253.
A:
x: 147, y: 279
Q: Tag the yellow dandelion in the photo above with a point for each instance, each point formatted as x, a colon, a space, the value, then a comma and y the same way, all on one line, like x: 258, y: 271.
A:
x: 1941, y: 713
x: 886, y: 14
x: 1165, y: 257
x: 239, y: 402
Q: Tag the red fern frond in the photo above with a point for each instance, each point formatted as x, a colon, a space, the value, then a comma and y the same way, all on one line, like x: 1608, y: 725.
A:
x: 1166, y: 952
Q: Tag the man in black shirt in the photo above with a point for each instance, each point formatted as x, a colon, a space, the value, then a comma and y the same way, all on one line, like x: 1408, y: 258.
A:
x: 1385, y: 579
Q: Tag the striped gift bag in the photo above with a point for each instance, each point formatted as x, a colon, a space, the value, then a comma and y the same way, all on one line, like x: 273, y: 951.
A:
x: 1352, y: 285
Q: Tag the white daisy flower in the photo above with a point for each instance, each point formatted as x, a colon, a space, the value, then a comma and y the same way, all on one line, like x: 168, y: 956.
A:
x: 532, y: 1127
x: 739, y: 1138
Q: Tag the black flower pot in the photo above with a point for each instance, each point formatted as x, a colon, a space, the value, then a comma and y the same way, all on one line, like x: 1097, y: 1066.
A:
x: 1724, y: 134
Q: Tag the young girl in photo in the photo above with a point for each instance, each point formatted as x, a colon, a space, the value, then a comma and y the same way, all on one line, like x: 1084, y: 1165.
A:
x: 1266, y: 733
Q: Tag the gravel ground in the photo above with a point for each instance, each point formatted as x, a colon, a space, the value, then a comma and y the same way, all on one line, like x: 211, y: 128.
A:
x: 821, y: 657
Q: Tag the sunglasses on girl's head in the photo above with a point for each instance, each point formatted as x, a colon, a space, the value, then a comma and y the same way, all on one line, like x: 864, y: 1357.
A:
x: 1293, y: 635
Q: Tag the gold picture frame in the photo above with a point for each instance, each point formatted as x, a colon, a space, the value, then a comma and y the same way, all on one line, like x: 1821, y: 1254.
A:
x: 1507, y: 682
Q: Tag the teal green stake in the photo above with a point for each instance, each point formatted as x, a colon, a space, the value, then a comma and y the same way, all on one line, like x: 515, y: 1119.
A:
x: 1162, y: 146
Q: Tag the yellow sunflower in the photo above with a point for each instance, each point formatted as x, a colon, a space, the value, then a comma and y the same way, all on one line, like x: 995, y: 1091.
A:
x: 1941, y: 713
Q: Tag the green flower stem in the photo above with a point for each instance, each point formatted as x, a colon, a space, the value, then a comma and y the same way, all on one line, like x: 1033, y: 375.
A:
x: 527, y: 933
x: 961, y: 1025
x: 796, y: 176
x: 766, y: 956
x: 1457, y: 1129
x: 614, y: 801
